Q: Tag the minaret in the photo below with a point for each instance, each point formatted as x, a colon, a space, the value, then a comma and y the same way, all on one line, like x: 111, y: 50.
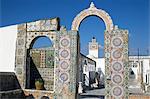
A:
x: 93, y: 48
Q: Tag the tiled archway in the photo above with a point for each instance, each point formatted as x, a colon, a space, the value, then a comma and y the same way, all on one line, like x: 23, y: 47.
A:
x: 116, y: 53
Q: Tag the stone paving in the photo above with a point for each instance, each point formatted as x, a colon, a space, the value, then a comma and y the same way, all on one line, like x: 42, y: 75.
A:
x: 99, y: 93
x: 93, y: 94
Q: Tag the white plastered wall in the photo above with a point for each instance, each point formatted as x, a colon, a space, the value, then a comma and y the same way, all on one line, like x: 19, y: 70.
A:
x: 8, y: 37
x: 145, y: 68
x: 100, y: 63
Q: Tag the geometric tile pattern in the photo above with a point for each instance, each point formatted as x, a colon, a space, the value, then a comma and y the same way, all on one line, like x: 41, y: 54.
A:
x: 116, y: 64
x: 49, y: 58
x: 43, y: 57
x: 20, y: 63
x: 64, y: 55
x: 43, y: 25
x: 44, y: 62
x: 65, y: 71
x: 36, y: 57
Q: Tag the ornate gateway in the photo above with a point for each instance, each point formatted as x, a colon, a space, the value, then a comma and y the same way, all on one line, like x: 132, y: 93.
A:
x: 116, y: 53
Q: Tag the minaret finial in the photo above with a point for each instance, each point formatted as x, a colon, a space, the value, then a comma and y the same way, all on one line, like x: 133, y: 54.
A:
x: 93, y: 37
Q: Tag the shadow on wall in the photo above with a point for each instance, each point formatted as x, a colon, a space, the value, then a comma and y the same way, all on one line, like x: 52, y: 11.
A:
x: 34, y: 75
x: 131, y: 74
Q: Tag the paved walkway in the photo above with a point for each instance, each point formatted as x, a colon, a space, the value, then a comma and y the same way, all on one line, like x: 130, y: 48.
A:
x: 99, y: 93
x: 93, y: 94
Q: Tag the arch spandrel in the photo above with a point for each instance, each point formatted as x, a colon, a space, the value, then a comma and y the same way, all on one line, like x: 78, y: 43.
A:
x: 92, y: 11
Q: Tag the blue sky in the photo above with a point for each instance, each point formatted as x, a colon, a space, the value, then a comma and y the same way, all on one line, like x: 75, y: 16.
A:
x: 127, y: 14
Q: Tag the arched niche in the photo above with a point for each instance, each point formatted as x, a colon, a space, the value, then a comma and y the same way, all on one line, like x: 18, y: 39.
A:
x: 92, y: 11
x: 40, y: 61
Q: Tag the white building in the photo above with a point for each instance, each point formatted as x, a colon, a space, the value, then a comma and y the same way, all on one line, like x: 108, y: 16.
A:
x: 139, y: 72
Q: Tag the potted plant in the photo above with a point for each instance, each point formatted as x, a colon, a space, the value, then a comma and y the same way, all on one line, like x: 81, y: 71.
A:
x: 39, y: 84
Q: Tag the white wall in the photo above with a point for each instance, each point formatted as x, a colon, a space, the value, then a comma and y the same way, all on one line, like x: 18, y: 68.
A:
x: 94, y: 53
x: 146, y: 66
x: 100, y: 63
x: 8, y: 37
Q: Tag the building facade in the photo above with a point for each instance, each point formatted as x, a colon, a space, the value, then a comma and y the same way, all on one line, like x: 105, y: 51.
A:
x: 87, y: 70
